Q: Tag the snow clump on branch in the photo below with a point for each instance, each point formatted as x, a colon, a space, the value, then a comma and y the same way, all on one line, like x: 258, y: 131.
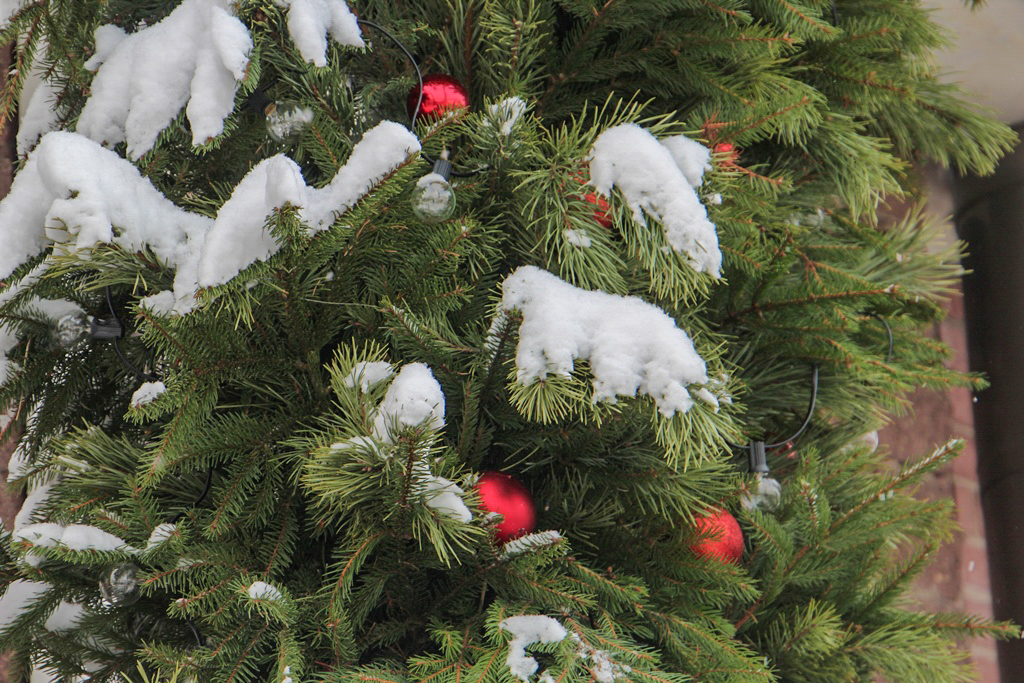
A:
x: 528, y: 629
x: 657, y: 179
x: 197, y: 55
x: 632, y: 346
x: 71, y: 191
x: 310, y: 21
x: 239, y: 238
x: 415, y: 399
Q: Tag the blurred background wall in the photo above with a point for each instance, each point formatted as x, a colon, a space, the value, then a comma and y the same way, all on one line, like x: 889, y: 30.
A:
x: 983, y: 570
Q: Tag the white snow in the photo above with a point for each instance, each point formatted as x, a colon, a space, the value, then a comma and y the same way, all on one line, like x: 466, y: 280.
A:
x: 603, y: 668
x: 692, y: 158
x: 649, y: 175
x: 527, y: 630
x: 413, y: 399
x: 8, y: 8
x: 529, y: 543
x: 37, y: 496
x: 65, y: 617
x: 44, y: 675
x: 85, y: 537
x: 160, y: 534
x: 36, y: 115
x: 41, y: 534
x: 507, y: 112
x: 632, y: 346
x: 19, y: 465
x: 444, y: 496
x: 238, y: 237
x: 367, y: 374
x: 197, y: 55
x: 260, y: 590
x: 147, y: 393
x: 19, y: 595
x: 577, y: 238
x: 364, y: 443
x: 73, y: 537
x: 75, y: 192
x: 8, y: 340
x: 708, y: 397
x: 54, y: 309
x: 309, y: 22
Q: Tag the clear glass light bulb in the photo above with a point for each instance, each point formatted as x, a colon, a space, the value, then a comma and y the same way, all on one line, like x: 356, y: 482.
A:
x: 120, y: 587
x: 433, y: 199
x: 286, y: 121
x: 71, y: 330
x: 766, y: 495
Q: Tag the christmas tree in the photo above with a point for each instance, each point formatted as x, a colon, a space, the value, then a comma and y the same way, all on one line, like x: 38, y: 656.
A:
x: 477, y: 340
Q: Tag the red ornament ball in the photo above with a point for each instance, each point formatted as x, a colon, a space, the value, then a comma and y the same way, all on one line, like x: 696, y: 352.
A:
x: 441, y: 94
x: 722, y: 537
x: 601, y: 209
x: 729, y: 150
x: 600, y: 204
x: 505, y: 495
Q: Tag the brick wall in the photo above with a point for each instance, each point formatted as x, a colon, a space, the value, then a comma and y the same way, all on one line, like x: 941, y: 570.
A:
x: 959, y: 579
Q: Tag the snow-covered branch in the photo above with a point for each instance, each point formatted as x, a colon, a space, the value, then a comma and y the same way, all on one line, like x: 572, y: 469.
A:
x: 657, y: 179
x: 632, y: 346
x: 197, y: 56
x: 311, y: 21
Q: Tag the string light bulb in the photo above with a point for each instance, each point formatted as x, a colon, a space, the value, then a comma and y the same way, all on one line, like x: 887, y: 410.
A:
x: 287, y: 121
x: 766, y: 493
x: 433, y: 199
x: 71, y: 330
x: 120, y: 587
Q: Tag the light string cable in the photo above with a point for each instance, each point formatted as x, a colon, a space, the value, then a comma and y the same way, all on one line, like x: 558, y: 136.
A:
x: 756, y: 449
x: 114, y: 332
x: 756, y: 457
x: 888, y: 332
x: 419, y: 98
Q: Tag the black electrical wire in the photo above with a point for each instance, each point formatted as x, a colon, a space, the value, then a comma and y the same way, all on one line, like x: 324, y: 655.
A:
x: 807, y: 418
x: 419, y: 98
x: 408, y: 55
x: 888, y: 331
x: 200, y: 498
x: 810, y: 411
x: 117, y: 343
x: 200, y: 641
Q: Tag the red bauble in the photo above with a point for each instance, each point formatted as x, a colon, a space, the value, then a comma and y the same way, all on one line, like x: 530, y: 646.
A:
x: 601, y: 211
x: 503, y: 494
x: 600, y: 204
x: 722, y: 537
x: 729, y: 150
x: 441, y: 94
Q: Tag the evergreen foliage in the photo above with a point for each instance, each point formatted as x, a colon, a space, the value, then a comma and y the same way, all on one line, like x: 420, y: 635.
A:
x: 307, y: 543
